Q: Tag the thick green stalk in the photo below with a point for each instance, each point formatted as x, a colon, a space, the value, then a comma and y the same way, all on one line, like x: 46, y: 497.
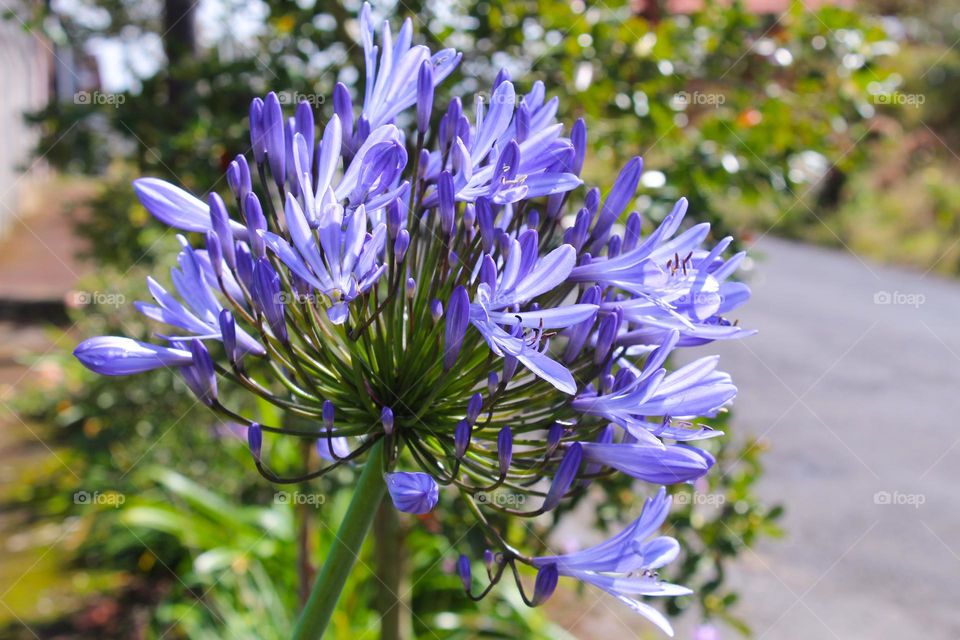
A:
x: 389, y: 563
x: 345, y: 549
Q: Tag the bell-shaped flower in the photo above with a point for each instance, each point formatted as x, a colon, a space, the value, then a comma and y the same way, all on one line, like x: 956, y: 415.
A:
x: 412, y: 491
x: 119, y: 356
x: 625, y: 565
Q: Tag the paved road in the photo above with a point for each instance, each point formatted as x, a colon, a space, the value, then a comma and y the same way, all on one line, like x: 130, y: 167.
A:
x: 854, y: 380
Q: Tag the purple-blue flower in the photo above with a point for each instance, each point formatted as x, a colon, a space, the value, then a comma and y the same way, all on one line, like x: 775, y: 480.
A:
x: 626, y: 565
x: 433, y: 289
x: 413, y: 492
x: 118, y: 356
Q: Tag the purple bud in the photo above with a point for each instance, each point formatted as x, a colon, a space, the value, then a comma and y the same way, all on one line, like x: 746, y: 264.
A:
x: 461, y: 438
x: 533, y: 219
x: 469, y: 219
x: 362, y: 132
x: 457, y: 319
x: 268, y: 298
x: 488, y: 272
x: 436, y: 310
x: 554, y: 435
x: 238, y: 177
x: 504, y: 449
x: 255, y: 440
x: 591, y: 201
x: 492, y: 383
x: 563, y: 478
x: 220, y: 223
x: 215, y: 253
x: 394, y: 218
x: 343, y: 107
x: 474, y: 406
x: 577, y: 335
x: 273, y: 133
x: 411, y: 287
x: 446, y: 194
x: 233, y: 178
x: 502, y: 76
x: 424, y: 96
x: 424, y: 163
x: 578, y: 136
x: 606, y: 334
x: 509, y: 368
x: 545, y: 584
x: 448, y: 124
x: 245, y: 267
x: 631, y: 234
x: 463, y: 570
x: 228, y: 334
x: 257, y: 140
x: 613, y: 247
x: 413, y: 492
x: 617, y: 200
x: 555, y: 205
x: 488, y: 559
x: 386, y: 418
x: 522, y: 121
x: 400, y: 245
x: 253, y: 213
x: 119, y: 356
x: 304, y: 125
x: 200, y: 375
x: 246, y: 185
x: 328, y: 413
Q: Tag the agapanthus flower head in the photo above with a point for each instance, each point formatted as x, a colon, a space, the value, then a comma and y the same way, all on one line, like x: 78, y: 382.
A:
x: 450, y: 294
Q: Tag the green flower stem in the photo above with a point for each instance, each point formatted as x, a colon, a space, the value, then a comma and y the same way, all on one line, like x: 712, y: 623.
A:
x: 345, y: 549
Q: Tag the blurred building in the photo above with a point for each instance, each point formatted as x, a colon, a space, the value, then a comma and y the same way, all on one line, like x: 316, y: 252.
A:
x: 27, y: 79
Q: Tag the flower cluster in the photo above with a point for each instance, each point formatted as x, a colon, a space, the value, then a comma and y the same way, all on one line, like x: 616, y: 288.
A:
x: 449, y: 293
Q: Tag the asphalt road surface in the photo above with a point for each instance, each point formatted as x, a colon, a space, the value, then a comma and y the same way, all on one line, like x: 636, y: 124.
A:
x: 854, y: 380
